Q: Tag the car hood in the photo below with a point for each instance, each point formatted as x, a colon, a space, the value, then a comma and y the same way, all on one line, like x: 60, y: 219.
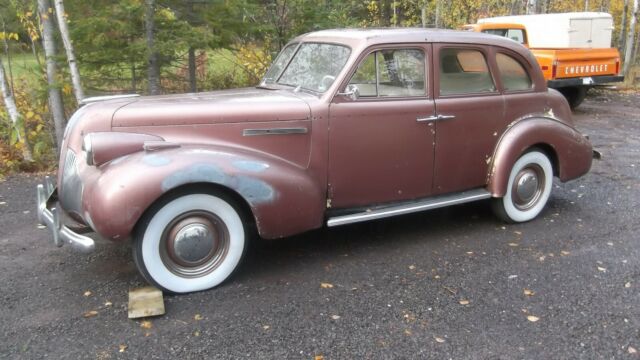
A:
x: 226, y: 106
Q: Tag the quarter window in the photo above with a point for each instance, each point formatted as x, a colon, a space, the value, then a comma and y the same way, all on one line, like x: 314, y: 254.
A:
x: 391, y: 73
x: 513, y: 75
x: 464, y: 71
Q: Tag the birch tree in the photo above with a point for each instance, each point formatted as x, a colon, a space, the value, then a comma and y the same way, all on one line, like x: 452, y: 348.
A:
x: 628, y: 53
x: 56, y: 106
x: 68, y: 47
x: 14, y: 114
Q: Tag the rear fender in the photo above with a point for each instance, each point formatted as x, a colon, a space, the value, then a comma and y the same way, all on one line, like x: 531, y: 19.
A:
x: 283, y: 198
x: 569, y: 151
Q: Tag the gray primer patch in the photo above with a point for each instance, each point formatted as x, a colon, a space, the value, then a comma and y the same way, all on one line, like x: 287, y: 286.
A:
x: 195, y: 173
x: 155, y: 160
x: 253, y: 166
x: 253, y: 190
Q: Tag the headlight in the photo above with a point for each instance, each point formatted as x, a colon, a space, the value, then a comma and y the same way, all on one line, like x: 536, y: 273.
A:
x: 88, y: 149
x: 102, y: 147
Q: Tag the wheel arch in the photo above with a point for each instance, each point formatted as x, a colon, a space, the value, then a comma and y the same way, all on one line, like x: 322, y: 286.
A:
x: 569, y: 152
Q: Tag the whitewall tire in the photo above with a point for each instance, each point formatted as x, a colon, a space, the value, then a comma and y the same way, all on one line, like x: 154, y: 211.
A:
x: 193, y: 242
x: 528, y: 190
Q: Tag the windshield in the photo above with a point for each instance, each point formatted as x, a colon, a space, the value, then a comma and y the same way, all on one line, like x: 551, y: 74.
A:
x: 314, y: 66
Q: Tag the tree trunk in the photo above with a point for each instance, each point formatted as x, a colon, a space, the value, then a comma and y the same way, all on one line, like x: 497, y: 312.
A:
x: 531, y: 7
x: 193, y: 82
x: 193, y: 85
x: 437, y: 20
x: 623, y: 24
x: 56, y: 106
x: 628, y: 53
x: 586, y: 5
x: 423, y: 15
x: 14, y: 114
x: 68, y: 47
x: 153, y: 73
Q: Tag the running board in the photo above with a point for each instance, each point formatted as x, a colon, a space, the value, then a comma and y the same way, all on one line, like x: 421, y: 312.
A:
x: 421, y: 205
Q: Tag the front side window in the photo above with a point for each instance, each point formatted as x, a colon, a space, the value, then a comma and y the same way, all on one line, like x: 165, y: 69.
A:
x: 464, y: 71
x: 391, y: 73
x: 314, y: 66
x: 514, y: 77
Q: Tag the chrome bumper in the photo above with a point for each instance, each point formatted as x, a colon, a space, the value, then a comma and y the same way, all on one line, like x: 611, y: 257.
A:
x: 51, y: 218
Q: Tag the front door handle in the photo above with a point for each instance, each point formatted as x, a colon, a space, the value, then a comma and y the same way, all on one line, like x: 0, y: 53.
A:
x: 436, y: 118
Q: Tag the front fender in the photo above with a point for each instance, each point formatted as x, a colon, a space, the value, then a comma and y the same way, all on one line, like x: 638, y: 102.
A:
x: 571, y: 152
x: 283, y: 197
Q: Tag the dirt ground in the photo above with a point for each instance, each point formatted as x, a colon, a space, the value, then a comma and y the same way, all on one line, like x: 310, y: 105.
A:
x: 449, y: 283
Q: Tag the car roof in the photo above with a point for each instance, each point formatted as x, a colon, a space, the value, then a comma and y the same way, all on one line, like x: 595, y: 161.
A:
x: 372, y: 36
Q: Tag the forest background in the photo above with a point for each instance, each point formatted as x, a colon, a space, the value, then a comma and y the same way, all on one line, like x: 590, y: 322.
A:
x: 54, y: 52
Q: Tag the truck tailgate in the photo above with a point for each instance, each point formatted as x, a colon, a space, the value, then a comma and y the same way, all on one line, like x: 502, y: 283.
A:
x: 573, y: 63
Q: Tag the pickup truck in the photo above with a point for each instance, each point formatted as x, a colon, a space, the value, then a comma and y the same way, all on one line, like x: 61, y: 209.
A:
x: 573, y: 49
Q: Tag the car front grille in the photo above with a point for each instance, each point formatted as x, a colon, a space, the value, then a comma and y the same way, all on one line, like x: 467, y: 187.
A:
x: 71, y: 188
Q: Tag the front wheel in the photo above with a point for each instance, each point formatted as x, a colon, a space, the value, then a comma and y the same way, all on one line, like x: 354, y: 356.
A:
x: 191, y: 243
x: 528, y: 189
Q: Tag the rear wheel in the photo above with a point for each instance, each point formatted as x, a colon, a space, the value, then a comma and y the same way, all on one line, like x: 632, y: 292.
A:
x: 193, y: 242
x: 528, y: 190
x: 574, y: 95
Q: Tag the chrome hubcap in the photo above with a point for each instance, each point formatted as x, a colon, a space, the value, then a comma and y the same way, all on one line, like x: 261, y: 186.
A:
x: 528, y: 186
x: 194, y: 244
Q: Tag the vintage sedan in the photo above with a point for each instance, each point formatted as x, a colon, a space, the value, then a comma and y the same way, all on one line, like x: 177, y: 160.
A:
x: 347, y: 126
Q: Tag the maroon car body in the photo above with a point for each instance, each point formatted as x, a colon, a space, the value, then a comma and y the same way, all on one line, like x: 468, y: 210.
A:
x: 291, y: 159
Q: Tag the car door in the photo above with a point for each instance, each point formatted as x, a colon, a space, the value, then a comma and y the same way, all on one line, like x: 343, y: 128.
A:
x: 470, y: 112
x: 381, y: 143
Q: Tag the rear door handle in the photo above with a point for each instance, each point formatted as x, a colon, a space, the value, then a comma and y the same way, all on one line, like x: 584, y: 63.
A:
x: 435, y: 118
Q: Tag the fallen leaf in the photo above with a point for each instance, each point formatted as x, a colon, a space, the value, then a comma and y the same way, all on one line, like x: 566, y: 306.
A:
x: 513, y: 276
x: 123, y: 347
x: 335, y: 317
x: 533, y: 318
x: 627, y: 285
x: 87, y: 293
x: 90, y: 313
x: 632, y: 350
x: 407, y: 332
x: 529, y: 292
x: 564, y: 253
x: 196, y: 333
x: 469, y: 252
x: 541, y: 258
x: 602, y: 269
x: 517, y: 232
x: 326, y: 285
x: 146, y: 324
x: 464, y: 302
x: 412, y: 267
x: 41, y: 226
x: 610, y: 243
x: 514, y: 244
x: 108, y: 303
x: 266, y: 327
x: 318, y: 357
x: 439, y: 339
x: 198, y: 317
x: 26, y: 212
x: 3, y: 203
x: 437, y: 277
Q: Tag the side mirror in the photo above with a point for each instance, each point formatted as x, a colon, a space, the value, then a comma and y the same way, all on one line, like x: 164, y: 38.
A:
x: 351, y: 91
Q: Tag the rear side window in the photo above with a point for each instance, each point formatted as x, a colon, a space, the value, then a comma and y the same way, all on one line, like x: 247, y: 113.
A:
x: 513, y: 75
x: 464, y: 71
x: 513, y: 34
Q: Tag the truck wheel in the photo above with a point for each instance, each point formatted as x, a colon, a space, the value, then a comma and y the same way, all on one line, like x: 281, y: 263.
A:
x: 574, y: 95
x: 528, y: 189
x: 190, y: 243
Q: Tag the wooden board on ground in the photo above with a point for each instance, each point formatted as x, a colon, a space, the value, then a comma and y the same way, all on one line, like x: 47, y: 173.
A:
x: 144, y: 302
